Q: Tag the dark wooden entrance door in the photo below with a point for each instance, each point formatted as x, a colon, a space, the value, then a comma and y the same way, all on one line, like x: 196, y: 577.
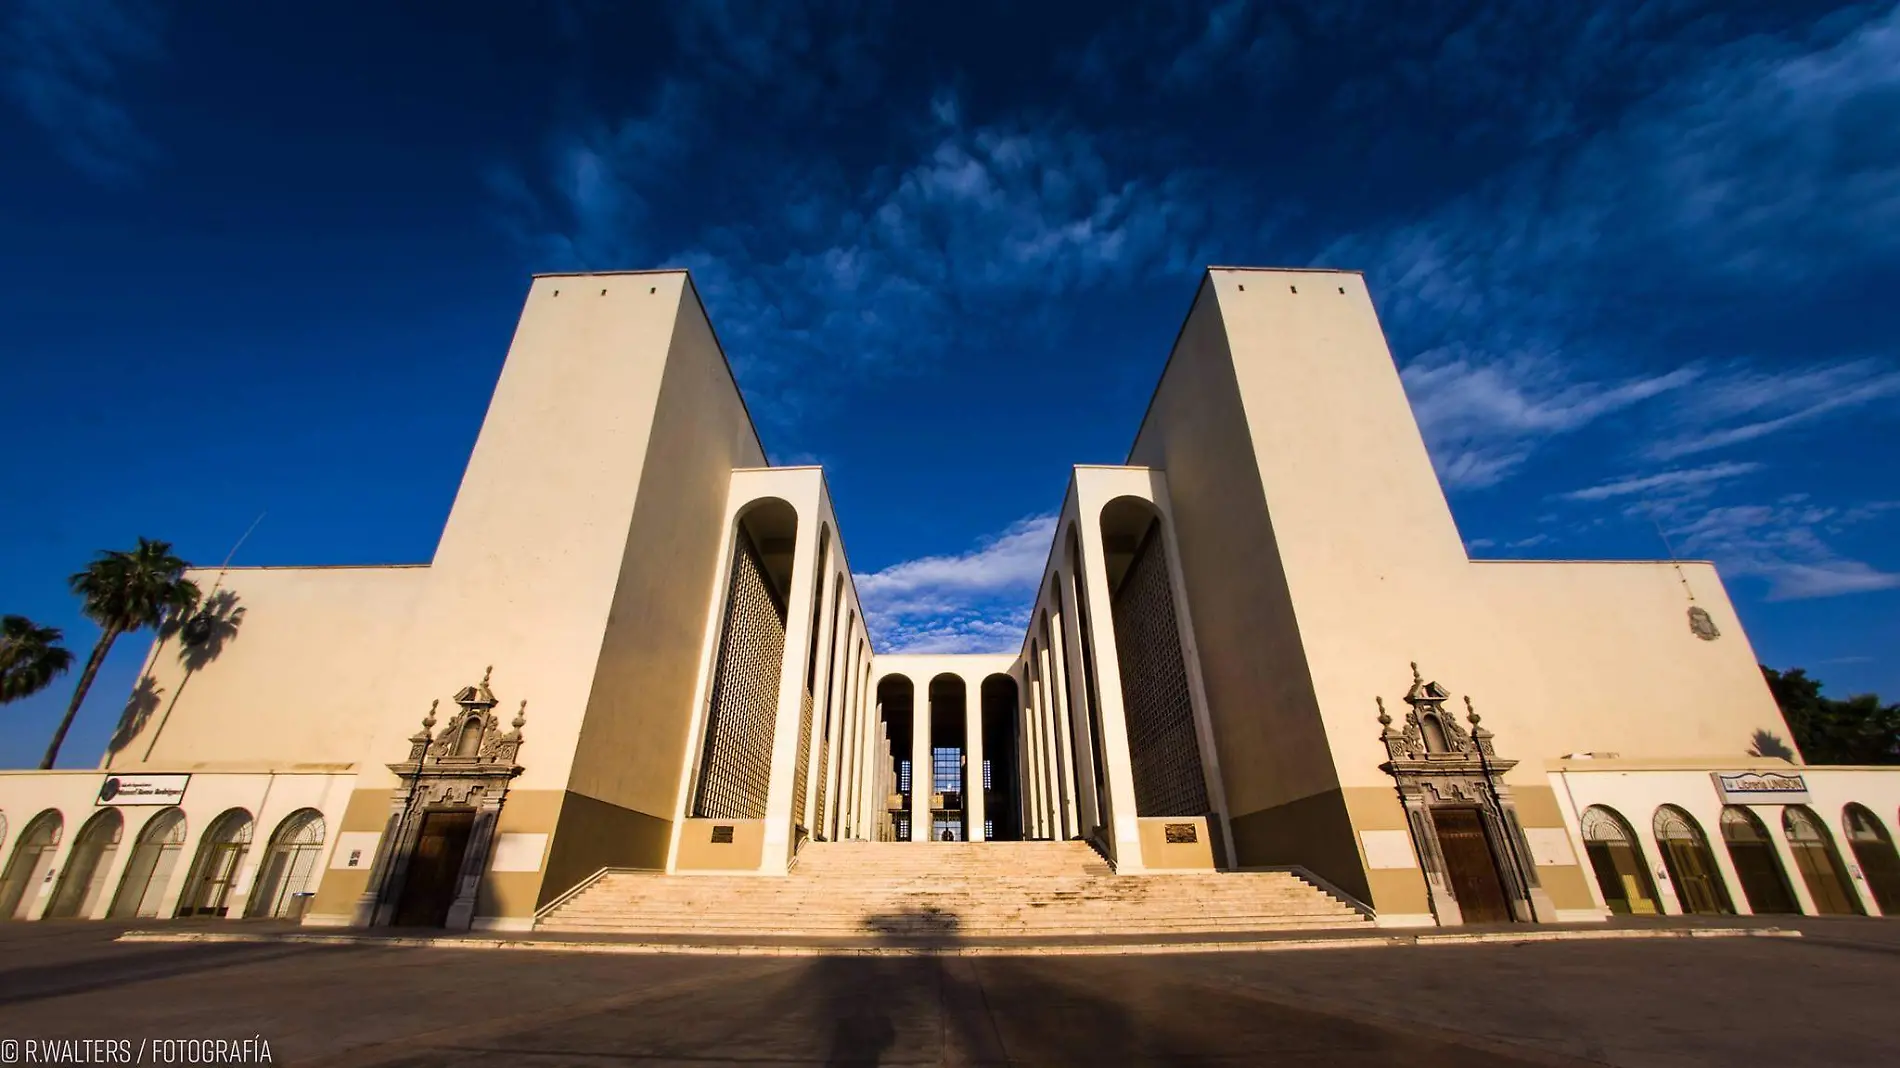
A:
x: 429, y: 889
x: 1470, y: 865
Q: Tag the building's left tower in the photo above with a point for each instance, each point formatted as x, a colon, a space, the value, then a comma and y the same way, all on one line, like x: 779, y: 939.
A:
x: 553, y: 643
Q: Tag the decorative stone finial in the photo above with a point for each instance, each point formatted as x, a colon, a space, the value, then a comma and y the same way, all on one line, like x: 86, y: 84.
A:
x: 487, y: 671
x: 1470, y: 712
x: 521, y: 715
x: 1417, y: 679
x: 1385, y: 720
x: 428, y: 721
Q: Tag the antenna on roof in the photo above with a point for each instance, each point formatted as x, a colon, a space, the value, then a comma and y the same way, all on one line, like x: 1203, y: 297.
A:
x: 1671, y: 549
x: 226, y: 566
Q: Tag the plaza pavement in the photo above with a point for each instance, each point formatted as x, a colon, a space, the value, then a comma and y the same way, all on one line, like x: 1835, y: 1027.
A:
x: 1821, y: 999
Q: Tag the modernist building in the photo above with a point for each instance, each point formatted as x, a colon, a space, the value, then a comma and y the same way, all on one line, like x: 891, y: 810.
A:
x: 1258, y: 643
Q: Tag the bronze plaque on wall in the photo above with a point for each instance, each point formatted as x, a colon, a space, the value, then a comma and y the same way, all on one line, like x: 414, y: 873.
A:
x: 1180, y: 833
x: 722, y: 834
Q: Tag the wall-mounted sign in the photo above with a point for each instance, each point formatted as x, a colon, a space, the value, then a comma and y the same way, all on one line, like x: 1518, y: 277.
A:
x: 1761, y: 787
x: 143, y: 789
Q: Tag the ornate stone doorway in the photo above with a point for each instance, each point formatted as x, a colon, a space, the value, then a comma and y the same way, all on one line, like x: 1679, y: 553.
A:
x: 435, y: 845
x: 1460, y: 813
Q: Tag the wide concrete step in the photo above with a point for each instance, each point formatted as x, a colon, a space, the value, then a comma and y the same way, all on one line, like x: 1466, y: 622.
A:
x: 948, y: 890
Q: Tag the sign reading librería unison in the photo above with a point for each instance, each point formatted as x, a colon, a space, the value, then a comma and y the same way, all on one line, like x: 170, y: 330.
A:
x: 143, y: 789
x: 1761, y: 787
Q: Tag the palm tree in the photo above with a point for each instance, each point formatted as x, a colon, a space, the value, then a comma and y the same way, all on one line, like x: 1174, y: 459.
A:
x: 124, y: 592
x: 30, y: 657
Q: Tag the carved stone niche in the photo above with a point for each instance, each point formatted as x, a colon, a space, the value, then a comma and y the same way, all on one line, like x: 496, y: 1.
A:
x: 467, y: 766
x: 1436, y: 763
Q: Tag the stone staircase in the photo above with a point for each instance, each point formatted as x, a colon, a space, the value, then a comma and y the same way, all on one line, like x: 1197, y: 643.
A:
x: 948, y: 890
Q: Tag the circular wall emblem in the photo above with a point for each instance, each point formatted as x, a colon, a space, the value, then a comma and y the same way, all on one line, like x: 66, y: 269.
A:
x: 110, y: 789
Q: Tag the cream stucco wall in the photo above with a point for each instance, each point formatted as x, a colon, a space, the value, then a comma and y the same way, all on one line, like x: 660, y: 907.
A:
x: 300, y: 681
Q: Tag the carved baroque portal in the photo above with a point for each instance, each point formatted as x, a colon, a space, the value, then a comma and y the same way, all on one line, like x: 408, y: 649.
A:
x: 1437, y: 763
x: 467, y: 766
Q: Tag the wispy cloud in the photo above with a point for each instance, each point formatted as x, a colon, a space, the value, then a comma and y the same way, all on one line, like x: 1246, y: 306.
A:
x: 976, y: 601
x: 1695, y: 479
x: 1750, y: 404
x: 66, y: 61
x: 1783, y: 544
x: 1482, y: 418
x: 1723, y: 182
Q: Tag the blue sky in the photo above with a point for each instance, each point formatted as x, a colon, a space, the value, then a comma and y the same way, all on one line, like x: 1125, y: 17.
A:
x: 1631, y: 257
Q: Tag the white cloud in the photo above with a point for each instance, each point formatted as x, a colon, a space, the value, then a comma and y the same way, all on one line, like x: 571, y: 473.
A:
x: 64, y: 63
x: 974, y: 600
x: 1772, y: 402
x: 1483, y: 418
x: 1694, y: 479
x: 1781, y: 544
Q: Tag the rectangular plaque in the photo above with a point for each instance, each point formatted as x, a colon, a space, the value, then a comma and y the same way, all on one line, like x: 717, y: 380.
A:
x: 1180, y: 833
x: 519, y: 852
x: 722, y: 834
x: 355, y: 849
x: 1388, y: 849
x: 1761, y: 787
x: 143, y: 789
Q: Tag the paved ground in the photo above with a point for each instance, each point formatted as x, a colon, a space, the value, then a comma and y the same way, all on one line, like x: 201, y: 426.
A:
x: 1825, y: 999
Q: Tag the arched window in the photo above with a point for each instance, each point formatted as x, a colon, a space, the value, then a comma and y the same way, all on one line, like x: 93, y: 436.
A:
x: 289, y: 864
x: 1873, y: 849
x: 86, y: 866
x: 214, y: 873
x: 1764, y: 882
x: 1617, y: 859
x: 469, y: 742
x: 149, y: 871
x: 1434, y: 734
x: 1699, y: 886
x: 1819, y: 863
x: 26, y: 869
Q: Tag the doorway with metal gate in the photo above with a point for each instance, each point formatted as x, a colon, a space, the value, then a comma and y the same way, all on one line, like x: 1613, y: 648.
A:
x: 1471, y: 864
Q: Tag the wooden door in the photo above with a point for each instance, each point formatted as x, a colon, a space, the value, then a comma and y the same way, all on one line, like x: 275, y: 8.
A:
x: 429, y: 889
x: 1470, y: 866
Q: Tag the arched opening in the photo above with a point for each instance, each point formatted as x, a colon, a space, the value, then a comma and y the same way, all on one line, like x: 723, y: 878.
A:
x: 895, y: 697
x: 1617, y: 859
x: 1434, y: 733
x: 215, y: 871
x: 149, y: 870
x: 287, y: 868
x: 735, y: 767
x: 1819, y: 862
x: 1874, y: 852
x: 1002, y: 789
x: 808, y: 694
x: 947, y: 811
x: 1691, y: 866
x: 26, y: 869
x: 829, y: 720
x: 1757, y: 865
x: 84, y: 879
x: 1163, y: 750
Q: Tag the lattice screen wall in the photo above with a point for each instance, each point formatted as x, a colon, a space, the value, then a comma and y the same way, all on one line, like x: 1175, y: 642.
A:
x: 736, y: 767
x: 1161, y: 744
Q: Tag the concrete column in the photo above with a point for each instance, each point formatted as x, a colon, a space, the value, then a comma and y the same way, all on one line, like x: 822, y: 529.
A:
x: 1076, y: 686
x: 1124, y: 838
x: 1038, y: 748
x: 920, y: 771
x: 776, y: 852
x: 1067, y: 720
x: 975, y: 805
x: 1065, y: 754
x: 837, y: 724
x: 824, y: 710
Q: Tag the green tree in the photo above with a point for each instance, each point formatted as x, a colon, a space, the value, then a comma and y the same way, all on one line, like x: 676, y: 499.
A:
x: 125, y: 592
x: 30, y: 657
x: 1857, y: 730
